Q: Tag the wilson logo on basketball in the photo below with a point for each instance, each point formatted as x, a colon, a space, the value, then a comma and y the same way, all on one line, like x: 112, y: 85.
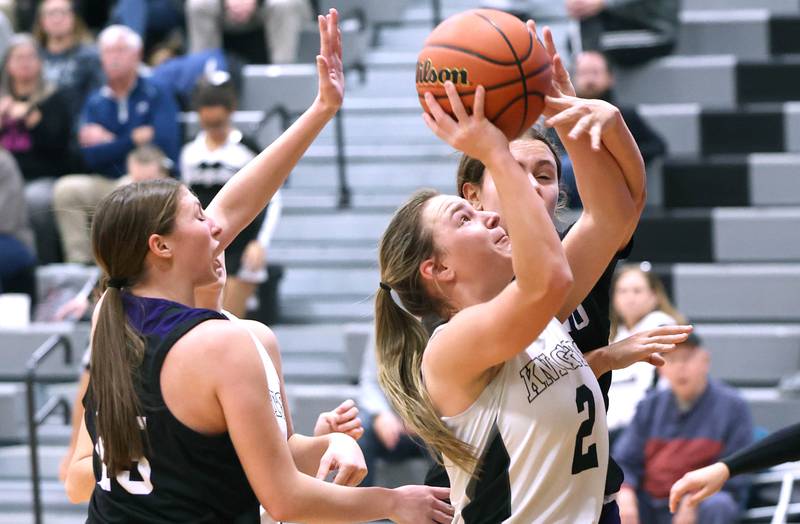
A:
x: 428, y: 74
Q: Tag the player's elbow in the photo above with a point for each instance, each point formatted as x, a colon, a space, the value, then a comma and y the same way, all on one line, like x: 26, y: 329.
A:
x: 77, y: 491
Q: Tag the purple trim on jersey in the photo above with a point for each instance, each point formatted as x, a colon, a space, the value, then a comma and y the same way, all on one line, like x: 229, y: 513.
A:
x: 152, y: 316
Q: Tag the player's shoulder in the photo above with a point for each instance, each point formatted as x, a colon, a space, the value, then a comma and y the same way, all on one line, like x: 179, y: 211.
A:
x: 263, y: 332
x: 214, y: 337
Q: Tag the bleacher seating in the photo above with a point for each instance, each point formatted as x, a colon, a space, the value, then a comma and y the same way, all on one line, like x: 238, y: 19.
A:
x: 723, y: 225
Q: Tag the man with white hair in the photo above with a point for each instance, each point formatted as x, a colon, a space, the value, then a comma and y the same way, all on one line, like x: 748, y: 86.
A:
x: 127, y: 112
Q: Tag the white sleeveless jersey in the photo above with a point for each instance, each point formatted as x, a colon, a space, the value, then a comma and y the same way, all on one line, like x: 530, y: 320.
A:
x: 274, y: 386
x: 539, y: 429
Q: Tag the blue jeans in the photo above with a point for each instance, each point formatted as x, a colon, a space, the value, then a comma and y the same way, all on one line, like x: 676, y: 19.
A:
x: 15, y: 258
x: 145, y: 16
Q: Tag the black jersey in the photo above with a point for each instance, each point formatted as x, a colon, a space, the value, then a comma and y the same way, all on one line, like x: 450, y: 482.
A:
x: 184, y: 476
x: 782, y: 446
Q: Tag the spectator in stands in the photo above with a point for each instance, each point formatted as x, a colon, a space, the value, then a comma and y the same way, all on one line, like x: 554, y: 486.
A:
x: 630, y: 32
x: 386, y: 437
x: 69, y: 56
x: 35, y: 127
x: 593, y: 78
x: 180, y: 74
x: 282, y: 22
x: 75, y: 197
x: 127, y: 112
x: 17, y: 260
x: 639, y: 303
x: 207, y: 163
x: 153, y: 20
x: 691, y: 424
x: 6, y: 32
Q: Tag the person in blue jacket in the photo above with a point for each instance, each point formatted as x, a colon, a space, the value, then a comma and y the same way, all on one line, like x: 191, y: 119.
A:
x: 130, y: 110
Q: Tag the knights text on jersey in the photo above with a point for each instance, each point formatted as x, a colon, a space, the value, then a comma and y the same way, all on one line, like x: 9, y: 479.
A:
x: 540, y: 431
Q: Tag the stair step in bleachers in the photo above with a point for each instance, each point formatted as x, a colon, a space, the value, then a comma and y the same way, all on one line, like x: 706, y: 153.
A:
x: 759, y: 33
x: 716, y: 81
x: 770, y: 409
x: 778, y: 6
x: 737, y: 292
x: 15, y: 461
x: 756, y: 235
x: 310, y: 310
x: 378, y: 173
x: 740, y: 180
x: 18, y: 344
x: 705, y: 33
x: 306, y: 402
x: 326, y: 200
x: 752, y: 354
x: 313, y: 256
x: 719, y: 235
x: 16, y: 497
x: 347, y: 227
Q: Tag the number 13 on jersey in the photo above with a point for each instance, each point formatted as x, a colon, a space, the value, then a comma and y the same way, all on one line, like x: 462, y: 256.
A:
x: 135, y: 481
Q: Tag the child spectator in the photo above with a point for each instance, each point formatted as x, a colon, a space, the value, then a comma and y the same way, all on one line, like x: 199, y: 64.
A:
x: 210, y: 160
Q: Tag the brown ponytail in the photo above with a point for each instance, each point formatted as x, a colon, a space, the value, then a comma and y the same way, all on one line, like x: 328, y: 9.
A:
x: 122, y: 225
x: 400, y: 336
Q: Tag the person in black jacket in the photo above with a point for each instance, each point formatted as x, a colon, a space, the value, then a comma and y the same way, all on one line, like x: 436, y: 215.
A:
x: 593, y: 78
x: 36, y: 128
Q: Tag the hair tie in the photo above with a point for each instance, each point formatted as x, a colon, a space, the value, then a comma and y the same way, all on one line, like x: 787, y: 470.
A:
x: 385, y: 286
x: 117, y: 283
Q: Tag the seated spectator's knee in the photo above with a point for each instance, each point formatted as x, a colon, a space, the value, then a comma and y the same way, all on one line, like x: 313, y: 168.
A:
x: 203, y: 7
x: 720, y: 508
x: 69, y: 190
x: 293, y: 8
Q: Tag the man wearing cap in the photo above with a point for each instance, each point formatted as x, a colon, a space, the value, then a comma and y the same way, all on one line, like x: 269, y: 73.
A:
x: 692, y: 424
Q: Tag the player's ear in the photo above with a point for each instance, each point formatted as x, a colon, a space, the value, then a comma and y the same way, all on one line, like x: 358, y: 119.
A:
x: 472, y: 194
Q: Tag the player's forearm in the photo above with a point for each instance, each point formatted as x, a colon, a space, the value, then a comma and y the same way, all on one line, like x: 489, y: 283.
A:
x: 601, y: 183
x: 622, y: 146
x: 307, y: 451
x: 599, y: 361
x: 314, y: 501
x: 249, y: 191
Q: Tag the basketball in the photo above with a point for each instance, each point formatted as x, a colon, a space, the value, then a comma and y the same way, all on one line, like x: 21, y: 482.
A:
x: 490, y: 48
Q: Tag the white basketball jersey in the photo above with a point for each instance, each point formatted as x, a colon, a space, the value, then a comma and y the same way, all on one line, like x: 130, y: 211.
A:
x: 539, y: 429
x: 274, y: 386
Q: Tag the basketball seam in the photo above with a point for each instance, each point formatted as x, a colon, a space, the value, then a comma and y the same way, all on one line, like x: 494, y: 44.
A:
x: 483, y: 57
x: 515, y: 100
x: 519, y: 66
x: 535, y: 72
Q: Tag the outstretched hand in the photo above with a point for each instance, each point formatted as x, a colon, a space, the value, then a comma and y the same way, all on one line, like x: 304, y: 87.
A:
x: 646, y: 346
x: 329, y: 62
x: 473, y: 134
x: 698, y: 485
x: 561, y: 81
x: 592, y: 117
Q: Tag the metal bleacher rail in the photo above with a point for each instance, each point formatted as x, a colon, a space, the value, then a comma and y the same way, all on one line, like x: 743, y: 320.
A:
x: 35, y: 417
x: 784, y: 510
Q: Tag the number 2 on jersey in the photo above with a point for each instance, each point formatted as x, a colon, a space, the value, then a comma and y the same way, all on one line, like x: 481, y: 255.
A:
x: 582, y: 461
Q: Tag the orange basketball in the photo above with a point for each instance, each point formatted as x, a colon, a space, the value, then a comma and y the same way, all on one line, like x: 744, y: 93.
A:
x: 493, y: 49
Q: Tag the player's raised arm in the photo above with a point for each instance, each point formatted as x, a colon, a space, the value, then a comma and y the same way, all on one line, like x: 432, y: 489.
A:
x: 249, y: 191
